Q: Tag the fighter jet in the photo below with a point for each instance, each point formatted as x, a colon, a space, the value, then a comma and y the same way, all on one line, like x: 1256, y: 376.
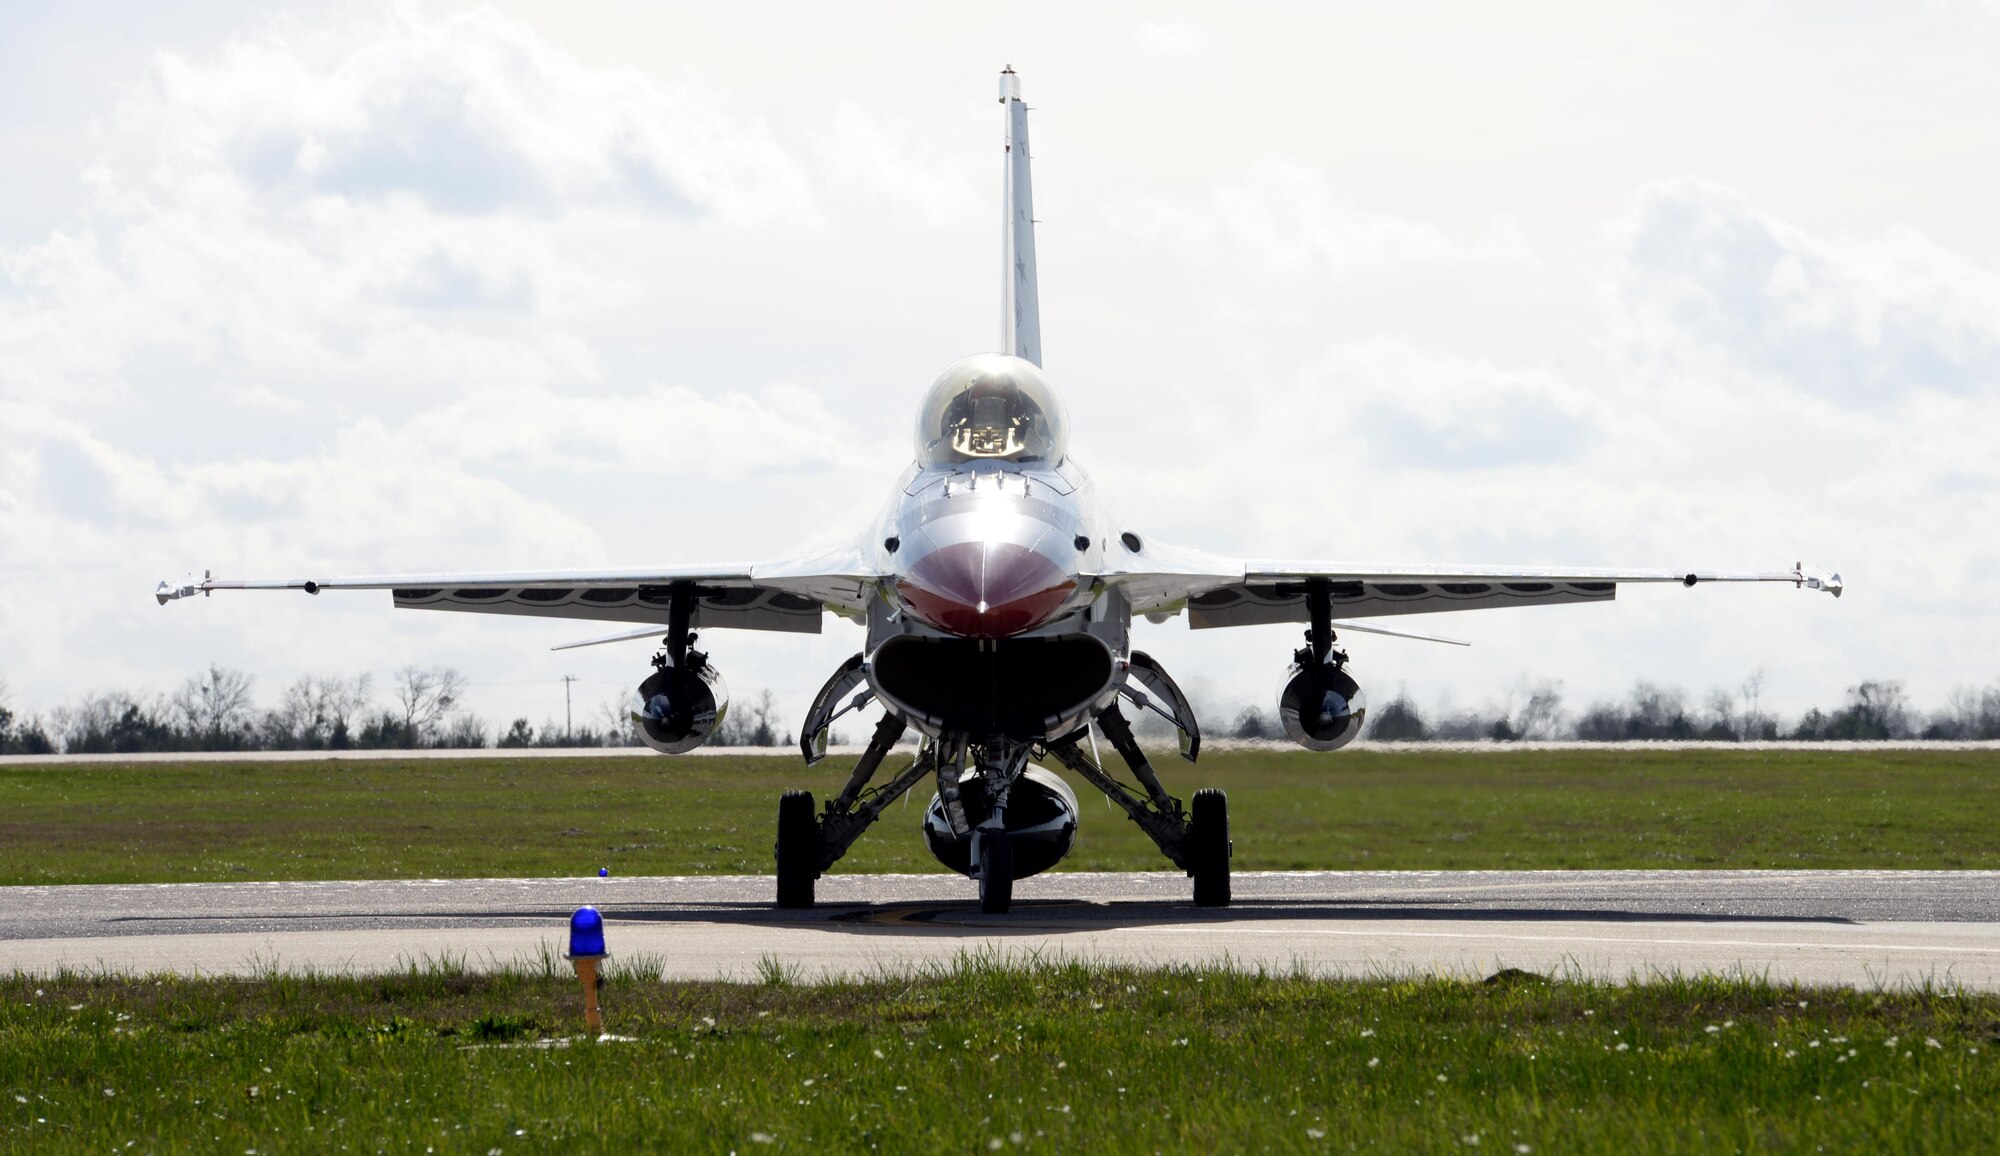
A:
x: 997, y: 599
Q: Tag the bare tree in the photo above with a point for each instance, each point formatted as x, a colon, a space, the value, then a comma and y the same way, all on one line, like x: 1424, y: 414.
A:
x: 762, y: 724
x: 290, y: 724
x: 1542, y: 716
x: 753, y: 722
x: 1462, y: 726
x: 1722, y: 716
x: 316, y: 712
x: 1398, y: 720
x: 618, y: 728
x: 21, y: 736
x: 425, y: 696
x: 1251, y: 723
x: 1879, y: 710
x: 116, y: 722
x: 1955, y: 721
x: 340, y: 701
x: 1756, y: 724
x: 1985, y: 722
x: 213, y: 707
x: 460, y: 730
x: 1969, y: 713
x: 1652, y: 713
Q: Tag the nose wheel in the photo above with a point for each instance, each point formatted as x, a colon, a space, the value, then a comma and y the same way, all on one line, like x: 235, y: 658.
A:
x: 996, y: 871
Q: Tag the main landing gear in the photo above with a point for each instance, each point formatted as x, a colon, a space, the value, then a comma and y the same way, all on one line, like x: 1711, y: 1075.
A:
x: 969, y: 822
x: 1197, y: 841
x: 808, y: 844
x: 798, y: 849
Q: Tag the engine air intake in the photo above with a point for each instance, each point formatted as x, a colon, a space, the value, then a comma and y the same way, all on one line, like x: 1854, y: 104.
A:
x: 1011, y: 686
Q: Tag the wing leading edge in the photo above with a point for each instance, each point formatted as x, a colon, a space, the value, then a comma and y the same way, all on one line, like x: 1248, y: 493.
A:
x: 1217, y: 593
x: 784, y: 595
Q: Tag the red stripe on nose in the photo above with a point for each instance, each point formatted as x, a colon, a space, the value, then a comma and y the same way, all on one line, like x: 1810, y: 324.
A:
x: 985, y: 589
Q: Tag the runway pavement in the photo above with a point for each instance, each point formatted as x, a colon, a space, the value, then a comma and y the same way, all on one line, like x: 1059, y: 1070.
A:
x: 1860, y: 928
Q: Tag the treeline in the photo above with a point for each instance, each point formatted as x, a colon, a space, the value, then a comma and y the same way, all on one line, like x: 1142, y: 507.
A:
x: 1536, y: 711
x: 746, y: 724
x: 216, y: 710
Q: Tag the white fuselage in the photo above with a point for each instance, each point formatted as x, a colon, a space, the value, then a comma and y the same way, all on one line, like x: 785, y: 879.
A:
x: 990, y: 592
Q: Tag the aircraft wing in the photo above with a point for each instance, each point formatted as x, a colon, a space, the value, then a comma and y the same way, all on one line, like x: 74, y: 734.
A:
x: 785, y: 594
x: 1219, y: 592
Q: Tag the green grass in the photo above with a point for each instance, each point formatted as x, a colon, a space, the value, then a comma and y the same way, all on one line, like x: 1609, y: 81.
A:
x: 983, y: 1056
x: 652, y: 815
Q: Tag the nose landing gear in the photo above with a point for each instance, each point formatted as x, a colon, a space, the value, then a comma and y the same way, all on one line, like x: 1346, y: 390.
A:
x: 994, y: 852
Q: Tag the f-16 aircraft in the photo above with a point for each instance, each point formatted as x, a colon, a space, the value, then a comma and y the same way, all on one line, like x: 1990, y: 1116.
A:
x: 997, y: 596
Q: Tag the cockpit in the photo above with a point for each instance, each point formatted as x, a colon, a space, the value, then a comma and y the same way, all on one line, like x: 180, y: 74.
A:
x: 991, y: 407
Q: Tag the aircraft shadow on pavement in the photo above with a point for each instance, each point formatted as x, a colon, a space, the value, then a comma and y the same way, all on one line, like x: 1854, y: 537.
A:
x: 1043, y: 917
x: 955, y: 918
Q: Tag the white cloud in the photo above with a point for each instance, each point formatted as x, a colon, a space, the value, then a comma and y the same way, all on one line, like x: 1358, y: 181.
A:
x: 664, y: 431
x: 1282, y: 218
x: 329, y: 307
x: 1708, y: 275
x: 472, y: 113
x: 377, y: 290
x: 1165, y: 40
x: 1416, y: 411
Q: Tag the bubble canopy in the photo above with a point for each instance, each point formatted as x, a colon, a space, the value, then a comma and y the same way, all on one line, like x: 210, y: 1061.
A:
x: 991, y: 407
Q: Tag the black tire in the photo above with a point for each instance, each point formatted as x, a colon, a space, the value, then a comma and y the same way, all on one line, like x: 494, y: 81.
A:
x: 797, y: 849
x: 996, y: 872
x: 1209, y: 848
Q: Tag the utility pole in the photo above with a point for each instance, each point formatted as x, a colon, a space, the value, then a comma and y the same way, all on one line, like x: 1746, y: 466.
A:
x: 567, y: 679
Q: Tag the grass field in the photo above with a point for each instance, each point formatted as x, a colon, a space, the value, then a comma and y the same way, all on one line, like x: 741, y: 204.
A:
x: 979, y: 1057
x: 651, y: 815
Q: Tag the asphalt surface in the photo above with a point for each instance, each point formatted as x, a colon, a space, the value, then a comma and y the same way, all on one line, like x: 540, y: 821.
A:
x: 1860, y: 928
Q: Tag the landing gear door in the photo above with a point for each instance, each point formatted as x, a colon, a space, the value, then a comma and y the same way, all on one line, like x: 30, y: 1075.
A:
x: 827, y: 706
x: 1161, y: 687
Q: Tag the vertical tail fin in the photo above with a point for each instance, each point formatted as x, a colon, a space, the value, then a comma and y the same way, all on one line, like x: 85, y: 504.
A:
x: 1020, y: 303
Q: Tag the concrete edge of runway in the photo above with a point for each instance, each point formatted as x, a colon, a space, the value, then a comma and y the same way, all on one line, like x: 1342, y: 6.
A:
x: 649, y: 954
x: 1859, y: 930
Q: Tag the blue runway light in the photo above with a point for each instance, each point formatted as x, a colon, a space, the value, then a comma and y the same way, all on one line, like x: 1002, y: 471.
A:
x: 603, y: 872
x: 586, y: 934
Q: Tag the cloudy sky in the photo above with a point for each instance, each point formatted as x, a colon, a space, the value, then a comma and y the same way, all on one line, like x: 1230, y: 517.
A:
x: 359, y: 287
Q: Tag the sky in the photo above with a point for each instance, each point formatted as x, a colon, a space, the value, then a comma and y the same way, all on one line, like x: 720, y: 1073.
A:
x: 297, y: 290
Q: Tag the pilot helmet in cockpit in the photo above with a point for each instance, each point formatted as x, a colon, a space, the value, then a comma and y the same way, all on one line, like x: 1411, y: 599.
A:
x: 991, y: 407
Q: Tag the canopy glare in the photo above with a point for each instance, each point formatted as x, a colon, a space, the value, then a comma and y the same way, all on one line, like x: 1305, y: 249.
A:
x: 991, y: 407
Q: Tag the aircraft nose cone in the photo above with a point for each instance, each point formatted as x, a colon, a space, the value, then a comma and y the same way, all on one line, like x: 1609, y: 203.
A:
x: 985, y: 589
